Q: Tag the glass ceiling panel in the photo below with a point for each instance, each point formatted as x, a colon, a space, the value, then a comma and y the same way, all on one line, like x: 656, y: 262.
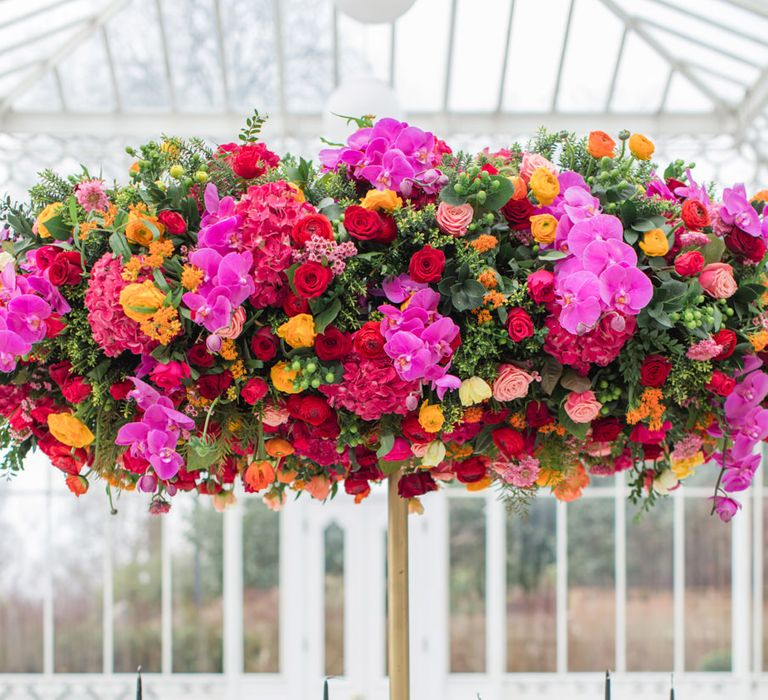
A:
x: 684, y: 97
x: 591, y: 58
x: 537, y: 38
x: 85, y: 78
x: 477, y: 64
x: 364, y: 49
x: 41, y: 97
x: 642, y: 77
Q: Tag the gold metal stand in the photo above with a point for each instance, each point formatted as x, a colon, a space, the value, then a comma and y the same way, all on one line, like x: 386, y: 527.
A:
x: 397, y: 593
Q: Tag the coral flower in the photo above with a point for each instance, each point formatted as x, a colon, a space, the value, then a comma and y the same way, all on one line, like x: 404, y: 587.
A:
x: 259, y: 475
x: 278, y: 447
x: 600, y: 145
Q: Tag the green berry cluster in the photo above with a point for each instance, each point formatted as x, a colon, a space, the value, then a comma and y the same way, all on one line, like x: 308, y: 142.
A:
x: 311, y: 373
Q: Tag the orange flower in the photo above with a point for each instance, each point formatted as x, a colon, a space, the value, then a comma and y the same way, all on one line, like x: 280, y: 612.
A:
x: 520, y: 188
x: 488, y: 279
x: 69, y: 430
x: 142, y: 228
x: 473, y: 414
x: 480, y: 485
x: 286, y: 476
x: 484, y: 243
x: 651, y: 407
x: 761, y: 196
x: 77, y: 484
x: 600, y: 145
x: 572, y: 486
x: 278, y: 447
x: 641, y: 147
x: 319, y: 486
x: 191, y: 277
x: 283, y: 378
x: 259, y: 475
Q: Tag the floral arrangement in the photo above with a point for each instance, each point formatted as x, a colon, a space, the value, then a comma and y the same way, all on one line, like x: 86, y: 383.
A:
x: 525, y: 319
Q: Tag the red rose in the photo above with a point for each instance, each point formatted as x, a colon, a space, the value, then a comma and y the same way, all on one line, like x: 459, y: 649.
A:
x: 311, y: 279
x: 721, y: 384
x: 695, y: 214
x: 65, y: 269
x: 363, y: 224
x: 606, y: 429
x: 199, y: 356
x: 252, y: 160
x: 745, y: 246
x: 689, y: 264
x: 59, y: 372
x: 54, y: 325
x: 726, y: 338
x: 519, y: 324
x: 264, y: 344
x: 332, y: 344
x: 309, y: 409
x: 76, y: 390
x: 427, y: 264
x: 311, y: 225
x: 45, y: 256
x: 508, y: 441
x: 212, y: 385
x: 518, y: 213
x: 655, y: 370
x: 472, y: 469
x: 541, y: 286
x: 254, y: 390
x: 173, y: 221
x: 368, y: 341
x: 294, y: 305
x: 388, y: 229
x: 537, y: 414
x: 652, y: 452
x: 416, y: 484
x: 119, y: 390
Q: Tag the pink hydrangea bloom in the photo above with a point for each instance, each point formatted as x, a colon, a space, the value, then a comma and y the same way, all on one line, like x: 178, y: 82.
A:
x: 111, y: 328
x: 90, y: 195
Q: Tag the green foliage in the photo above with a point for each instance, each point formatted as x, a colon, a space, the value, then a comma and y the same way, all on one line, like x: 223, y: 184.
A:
x: 253, y: 125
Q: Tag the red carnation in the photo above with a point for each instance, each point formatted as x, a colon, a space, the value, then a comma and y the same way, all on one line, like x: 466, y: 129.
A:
x: 368, y: 341
x: 695, y: 214
x: 518, y: 213
x: 471, y: 470
x: 264, y: 344
x: 427, y: 264
x: 252, y: 160
x: 726, y: 338
x: 332, y: 344
x: 173, y: 221
x: 311, y: 279
x: 655, y: 370
x: 689, y: 264
x: 416, y: 484
x: 311, y: 225
x: 508, y: 441
x: 212, y: 385
x: 721, y: 384
x: 254, y: 390
x: 519, y: 324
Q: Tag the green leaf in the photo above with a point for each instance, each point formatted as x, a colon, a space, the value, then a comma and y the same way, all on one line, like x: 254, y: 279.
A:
x: 552, y: 255
x: 120, y: 246
x: 497, y: 198
x: 327, y: 316
x: 713, y: 251
x: 58, y: 229
x: 449, y: 196
x: 551, y: 371
x: 386, y: 443
x: 578, y: 430
x: 161, y: 282
x: 467, y: 295
x: 644, y: 225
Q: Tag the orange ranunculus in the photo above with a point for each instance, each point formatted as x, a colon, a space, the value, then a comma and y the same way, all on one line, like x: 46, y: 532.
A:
x: 387, y: 200
x: 142, y: 228
x: 298, y: 331
x: 572, y: 486
x: 77, y: 484
x: 761, y: 196
x: 480, y: 485
x: 259, y: 475
x: 641, y: 147
x: 278, y: 447
x: 600, y: 145
x: 69, y: 430
x: 431, y: 417
x: 544, y: 185
x: 319, y: 486
x: 283, y: 378
x: 140, y: 300
x: 543, y: 228
x: 286, y: 476
x: 520, y: 188
x: 50, y: 212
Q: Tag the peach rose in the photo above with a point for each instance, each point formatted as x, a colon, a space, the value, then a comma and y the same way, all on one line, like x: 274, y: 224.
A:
x: 716, y: 279
x: 533, y: 161
x: 274, y: 415
x: 582, y: 407
x: 454, y: 220
x: 512, y: 383
x: 235, y: 327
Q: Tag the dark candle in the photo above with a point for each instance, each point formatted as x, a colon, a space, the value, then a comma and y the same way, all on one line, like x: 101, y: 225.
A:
x: 672, y: 687
x: 325, y: 690
x: 139, y: 694
x: 607, y: 685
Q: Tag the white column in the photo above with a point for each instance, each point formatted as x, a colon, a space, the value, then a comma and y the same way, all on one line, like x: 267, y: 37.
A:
x: 620, y: 563
x: 495, y: 592
x: 108, y: 597
x: 562, y: 586
x: 48, y: 630
x: 166, y: 611
x: 741, y: 596
x: 678, y: 581
x: 233, y: 598
x: 758, y: 562
x: 292, y: 638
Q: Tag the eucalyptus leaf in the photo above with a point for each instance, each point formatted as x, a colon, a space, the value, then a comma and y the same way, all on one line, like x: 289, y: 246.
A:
x: 386, y: 443
x: 551, y: 371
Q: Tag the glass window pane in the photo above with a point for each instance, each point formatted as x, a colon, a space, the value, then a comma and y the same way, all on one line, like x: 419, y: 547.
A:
x: 707, y: 589
x: 261, y: 588
x: 765, y: 581
x: 467, y: 584
x: 591, y: 585
x: 196, y: 561
x: 531, y: 584
x: 650, y: 605
x: 22, y: 518
x: 333, y: 541
x: 78, y: 546
x: 136, y: 550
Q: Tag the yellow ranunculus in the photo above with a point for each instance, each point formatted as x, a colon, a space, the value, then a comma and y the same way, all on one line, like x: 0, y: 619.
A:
x: 683, y: 468
x: 480, y: 485
x: 543, y: 228
x: 139, y: 228
x: 298, y: 331
x: 544, y: 185
x: 283, y: 378
x: 434, y: 454
x: 474, y: 390
x: 50, y: 212
x: 381, y: 199
x: 69, y: 430
x: 641, y: 147
x: 299, y: 196
x: 140, y: 300
x: 655, y: 243
x: 431, y: 417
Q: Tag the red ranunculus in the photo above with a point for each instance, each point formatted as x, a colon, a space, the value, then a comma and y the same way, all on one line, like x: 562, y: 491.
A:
x: 413, y: 431
x: 606, y: 429
x: 294, y: 305
x: 252, y: 160
x: 368, y: 341
x: 537, y: 414
x: 720, y: 383
x: 254, y: 390
x: 311, y: 225
x: 363, y: 224
x: 310, y: 409
x: 119, y: 390
x: 689, y: 264
x: 173, y: 221
x: 311, y: 279
x: 416, y: 484
x: 508, y: 441
x: 745, y: 246
x: 264, y: 344
x: 519, y: 324
x: 541, y: 286
x: 212, y: 385
x: 332, y: 344
x: 199, y: 356
x: 655, y: 370
x: 76, y: 390
x: 726, y: 338
x: 471, y: 470
x: 695, y: 214
x: 427, y: 264
x: 66, y: 269
x: 518, y: 213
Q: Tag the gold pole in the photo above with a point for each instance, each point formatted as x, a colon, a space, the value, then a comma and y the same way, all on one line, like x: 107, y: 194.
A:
x: 397, y: 592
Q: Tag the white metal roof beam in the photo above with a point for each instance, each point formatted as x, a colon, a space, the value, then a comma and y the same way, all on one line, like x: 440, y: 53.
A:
x: 114, y: 82
x: 280, y: 50
x: 449, y: 56
x: 616, y: 68
x: 221, y: 46
x: 563, y: 51
x: 166, y: 54
x: 753, y: 104
x: 505, y: 59
x: 34, y: 13
x: 757, y: 7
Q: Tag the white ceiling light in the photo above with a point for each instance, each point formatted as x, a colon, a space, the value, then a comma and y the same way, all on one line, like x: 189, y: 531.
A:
x: 355, y: 98
x: 374, y: 11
